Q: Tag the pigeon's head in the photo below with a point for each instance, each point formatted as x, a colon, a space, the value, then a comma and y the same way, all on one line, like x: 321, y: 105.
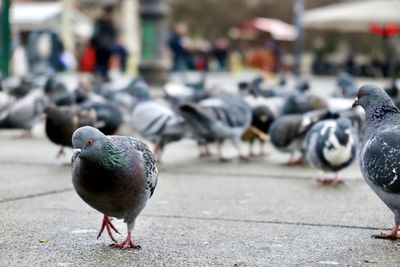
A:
x: 371, y: 96
x: 87, y: 142
x: 344, y: 123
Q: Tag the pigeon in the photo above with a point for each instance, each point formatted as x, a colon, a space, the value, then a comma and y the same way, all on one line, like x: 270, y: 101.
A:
x: 57, y: 92
x: 346, y: 85
x: 287, y: 133
x: 330, y: 146
x: 262, y: 118
x: 115, y: 175
x: 25, y: 112
x: 61, y: 122
x: 380, y: 149
x: 154, y: 121
x: 108, y: 117
x: 217, y: 119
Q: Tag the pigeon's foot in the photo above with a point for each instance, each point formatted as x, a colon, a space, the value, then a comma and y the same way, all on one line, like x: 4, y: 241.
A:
x: 61, y: 152
x: 292, y: 162
x: 224, y: 160
x: 387, y: 236
x: 204, y: 154
x: 337, y: 181
x: 243, y: 158
x: 24, y: 135
x: 107, y: 225
x: 127, y: 243
x: 393, y: 235
x: 325, y: 181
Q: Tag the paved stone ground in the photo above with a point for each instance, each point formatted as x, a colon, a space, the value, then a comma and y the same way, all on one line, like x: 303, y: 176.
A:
x: 203, y: 213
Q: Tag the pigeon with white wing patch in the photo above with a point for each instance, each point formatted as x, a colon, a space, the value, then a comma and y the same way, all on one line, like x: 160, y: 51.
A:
x: 331, y: 146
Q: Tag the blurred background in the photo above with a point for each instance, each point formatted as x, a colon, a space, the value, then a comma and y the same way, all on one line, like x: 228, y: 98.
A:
x: 169, y: 69
x: 300, y: 36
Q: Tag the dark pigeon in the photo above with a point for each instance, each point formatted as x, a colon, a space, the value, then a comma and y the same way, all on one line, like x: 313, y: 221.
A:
x: 115, y: 175
x: 61, y: 122
x: 380, y: 149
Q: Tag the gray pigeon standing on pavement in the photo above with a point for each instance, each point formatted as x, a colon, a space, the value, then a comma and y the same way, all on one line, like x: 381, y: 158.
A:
x: 380, y: 149
x: 330, y: 146
x: 115, y: 175
x: 217, y: 119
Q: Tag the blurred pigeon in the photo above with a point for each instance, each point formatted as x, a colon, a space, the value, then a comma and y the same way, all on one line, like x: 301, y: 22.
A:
x: 108, y: 118
x: 154, y: 121
x: 57, y: 92
x: 380, y: 149
x: 25, y: 112
x: 115, y: 175
x: 297, y: 103
x: 346, y: 85
x: 330, y: 146
x: 262, y: 118
x: 217, y: 119
x: 287, y: 133
x: 25, y: 85
x: 61, y: 122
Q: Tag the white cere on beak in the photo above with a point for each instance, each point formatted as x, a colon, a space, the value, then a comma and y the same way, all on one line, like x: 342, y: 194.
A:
x: 77, y: 150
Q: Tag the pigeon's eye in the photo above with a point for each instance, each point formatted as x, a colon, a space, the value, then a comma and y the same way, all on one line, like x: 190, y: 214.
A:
x: 362, y: 93
x: 90, y: 141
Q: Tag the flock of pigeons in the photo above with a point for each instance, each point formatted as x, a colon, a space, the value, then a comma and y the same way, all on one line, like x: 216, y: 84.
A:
x: 116, y: 175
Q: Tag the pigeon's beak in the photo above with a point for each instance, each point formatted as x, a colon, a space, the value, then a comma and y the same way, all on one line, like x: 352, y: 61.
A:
x: 355, y: 104
x: 77, y: 152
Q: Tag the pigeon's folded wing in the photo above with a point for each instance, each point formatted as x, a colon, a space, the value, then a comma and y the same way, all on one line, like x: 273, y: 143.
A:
x: 381, y: 159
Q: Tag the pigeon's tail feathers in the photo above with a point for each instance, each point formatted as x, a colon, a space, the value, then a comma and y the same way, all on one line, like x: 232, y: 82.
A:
x: 193, y: 111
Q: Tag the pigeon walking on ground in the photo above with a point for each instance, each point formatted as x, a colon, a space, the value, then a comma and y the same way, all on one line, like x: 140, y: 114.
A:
x: 115, y: 175
x: 380, y: 149
x: 287, y: 133
x: 217, y: 119
x: 154, y: 121
x: 330, y: 146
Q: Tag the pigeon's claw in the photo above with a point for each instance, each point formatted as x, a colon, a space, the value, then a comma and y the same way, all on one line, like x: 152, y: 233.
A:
x: 387, y: 236
x: 393, y: 235
x: 127, y: 243
x: 109, y: 226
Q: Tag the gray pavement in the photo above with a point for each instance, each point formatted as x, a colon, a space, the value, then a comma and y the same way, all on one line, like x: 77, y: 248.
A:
x: 203, y: 213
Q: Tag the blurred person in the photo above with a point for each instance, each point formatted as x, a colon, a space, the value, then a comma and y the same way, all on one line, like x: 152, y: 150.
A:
x: 104, y: 41
x: 88, y: 59
x: 275, y: 48
x: 122, y: 53
x: 350, y: 65
x: 220, y: 52
x: 178, y: 49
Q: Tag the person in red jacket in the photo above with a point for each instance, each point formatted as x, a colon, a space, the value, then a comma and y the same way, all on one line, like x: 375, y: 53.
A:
x: 88, y: 60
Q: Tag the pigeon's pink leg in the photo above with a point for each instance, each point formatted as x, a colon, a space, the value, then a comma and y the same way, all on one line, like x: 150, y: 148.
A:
x: 337, y: 180
x: 127, y: 243
x: 392, y: 235
x: 107, y: 225
x: 220, y: 154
